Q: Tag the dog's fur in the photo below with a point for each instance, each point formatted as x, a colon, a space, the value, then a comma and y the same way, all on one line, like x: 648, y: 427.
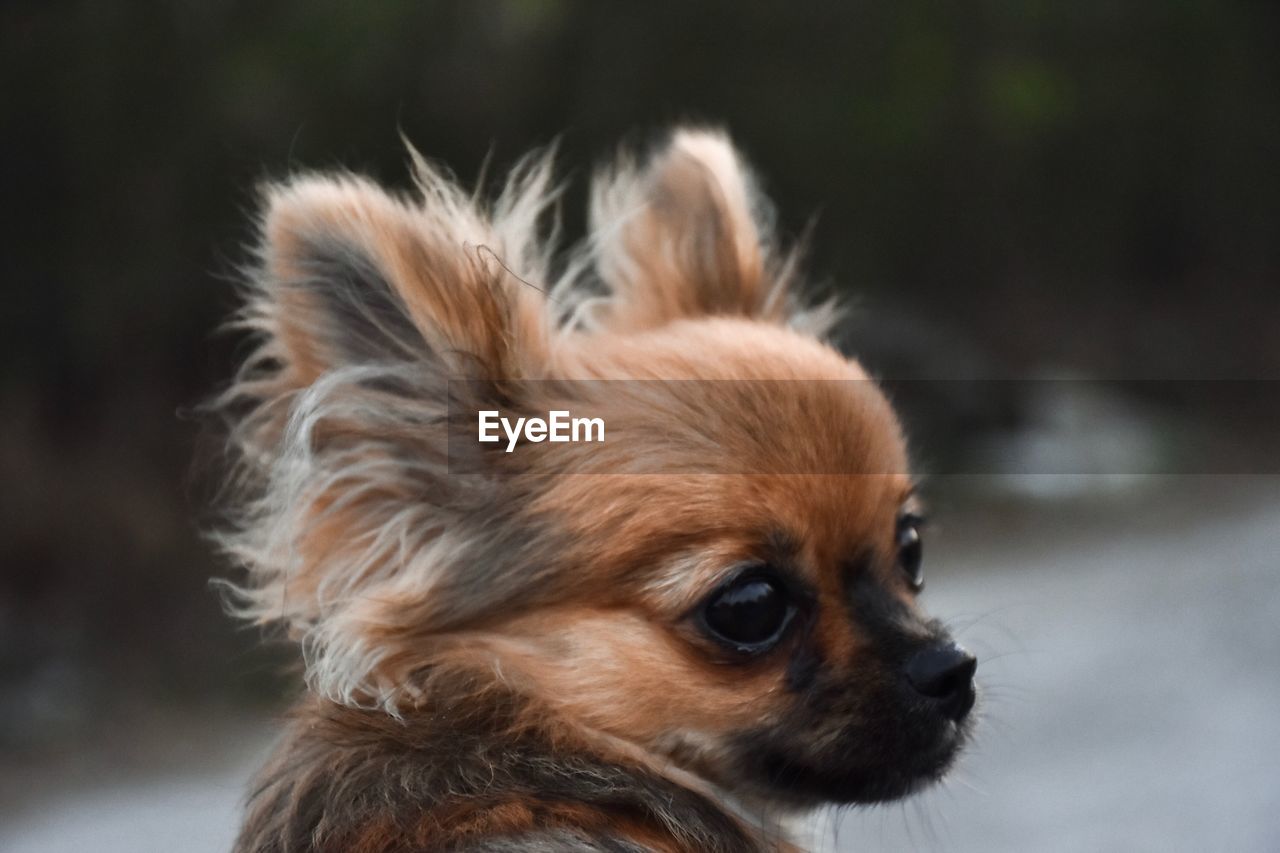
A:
x: 507, y: 657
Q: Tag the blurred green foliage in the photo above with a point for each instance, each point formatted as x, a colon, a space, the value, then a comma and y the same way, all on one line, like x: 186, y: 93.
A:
x: 1007, y: 185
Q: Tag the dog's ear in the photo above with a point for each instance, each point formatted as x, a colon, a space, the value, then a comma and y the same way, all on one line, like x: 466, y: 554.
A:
x: 351, y: 275
x: 365, y: 306
x: 687, y: 235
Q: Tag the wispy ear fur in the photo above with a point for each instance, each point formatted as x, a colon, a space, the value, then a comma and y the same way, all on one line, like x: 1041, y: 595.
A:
x: 363, y: 304
x: 689, y: 234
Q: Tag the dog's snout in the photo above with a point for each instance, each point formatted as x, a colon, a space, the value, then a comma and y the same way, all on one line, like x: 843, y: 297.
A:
x: 945, y: 674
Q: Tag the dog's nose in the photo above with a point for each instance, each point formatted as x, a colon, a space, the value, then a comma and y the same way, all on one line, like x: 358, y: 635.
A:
x: 945, y: 675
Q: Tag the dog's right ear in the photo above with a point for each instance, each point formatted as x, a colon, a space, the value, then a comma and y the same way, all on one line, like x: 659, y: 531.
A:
x: 365, y: 305
x: 351, y: 275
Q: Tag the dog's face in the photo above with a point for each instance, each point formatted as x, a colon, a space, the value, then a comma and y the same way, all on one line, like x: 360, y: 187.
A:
x: 728, y: 582
x: 751, y: 615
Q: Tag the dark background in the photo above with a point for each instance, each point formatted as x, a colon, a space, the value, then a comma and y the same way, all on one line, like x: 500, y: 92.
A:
x: 1005, y: 188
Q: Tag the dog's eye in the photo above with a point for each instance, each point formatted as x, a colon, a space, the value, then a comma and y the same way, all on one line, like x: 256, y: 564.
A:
x: 750, y: 612
x: 911, y: 550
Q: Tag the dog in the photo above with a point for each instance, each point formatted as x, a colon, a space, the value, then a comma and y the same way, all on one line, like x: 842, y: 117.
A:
x: 651, y: 642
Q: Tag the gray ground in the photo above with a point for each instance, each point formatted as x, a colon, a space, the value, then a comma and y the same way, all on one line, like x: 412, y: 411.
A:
x: 1133, y: 680
x: 1132, y: 685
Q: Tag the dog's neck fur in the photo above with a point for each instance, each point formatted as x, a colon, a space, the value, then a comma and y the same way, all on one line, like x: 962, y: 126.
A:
x: 474, y: 776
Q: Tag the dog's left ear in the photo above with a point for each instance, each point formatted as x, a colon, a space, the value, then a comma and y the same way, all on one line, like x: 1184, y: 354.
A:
x: 687, y: 235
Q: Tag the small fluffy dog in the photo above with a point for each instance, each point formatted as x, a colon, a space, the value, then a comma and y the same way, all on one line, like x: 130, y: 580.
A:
x: 645, y: 643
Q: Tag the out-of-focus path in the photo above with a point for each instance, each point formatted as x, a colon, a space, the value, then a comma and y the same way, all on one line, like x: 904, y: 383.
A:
x: 169, y: 786
x: 1133, y: 672
x: 1131, y: 666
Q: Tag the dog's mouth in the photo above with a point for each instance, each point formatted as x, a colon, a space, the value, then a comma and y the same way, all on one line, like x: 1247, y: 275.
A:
x: 857, y: 780
x: 869, y: 759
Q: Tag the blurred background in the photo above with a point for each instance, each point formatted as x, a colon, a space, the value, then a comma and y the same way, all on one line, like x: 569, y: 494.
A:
x: 1058, y: 225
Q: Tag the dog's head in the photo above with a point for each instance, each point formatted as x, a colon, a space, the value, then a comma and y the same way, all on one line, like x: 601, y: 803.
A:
x: 728, y: 580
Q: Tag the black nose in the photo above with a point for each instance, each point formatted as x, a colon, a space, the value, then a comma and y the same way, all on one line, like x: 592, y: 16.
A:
x: 945, y: 674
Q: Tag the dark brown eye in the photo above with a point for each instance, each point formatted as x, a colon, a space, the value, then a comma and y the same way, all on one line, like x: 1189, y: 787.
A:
x: 750, y: 612
x: 911, y: 550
